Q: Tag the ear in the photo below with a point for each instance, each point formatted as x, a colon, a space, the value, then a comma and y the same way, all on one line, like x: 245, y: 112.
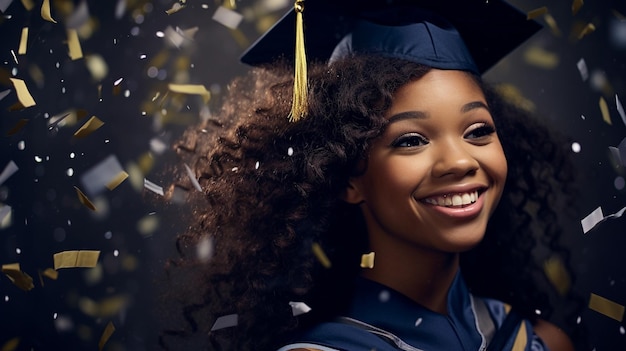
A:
x: 352, y: 194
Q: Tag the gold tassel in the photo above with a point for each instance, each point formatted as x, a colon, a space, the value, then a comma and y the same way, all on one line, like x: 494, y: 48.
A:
x: 299, y: 105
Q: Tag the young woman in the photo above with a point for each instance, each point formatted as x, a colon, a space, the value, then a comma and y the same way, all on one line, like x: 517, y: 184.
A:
x: 414, y: 160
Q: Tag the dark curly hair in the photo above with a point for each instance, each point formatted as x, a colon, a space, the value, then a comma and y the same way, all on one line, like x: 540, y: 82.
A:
x: 271, y: 191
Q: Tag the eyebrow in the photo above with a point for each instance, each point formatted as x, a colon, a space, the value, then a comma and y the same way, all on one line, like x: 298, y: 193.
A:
x: 423, y: 115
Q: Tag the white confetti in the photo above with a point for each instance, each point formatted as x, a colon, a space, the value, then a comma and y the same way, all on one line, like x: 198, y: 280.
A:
x: 96, y: 179
x: 582, y: 68
x: 8, y: 171
x: 117, y: 82
x: 79, y: 17
x: 5, y: 216
x: 620, y: 109
x: 576, y: 147
x: 257, y: 165
x: 4, y: 5
x: 225, y: 322
x: 193, y: 179
x: 596, y: 217
x: 619, y: 183
x: 290, y: 151
x: 152, y: 187
x: 298, y: 308
x: 418, y: 322
x: 384, y: 296
x: 4, y: 93
x: 227, y: 17
x: 592, y: 220
x: 619, y: 152
x: 204, y: 249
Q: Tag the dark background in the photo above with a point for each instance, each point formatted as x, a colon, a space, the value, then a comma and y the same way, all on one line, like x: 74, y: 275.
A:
x: 47, y: 217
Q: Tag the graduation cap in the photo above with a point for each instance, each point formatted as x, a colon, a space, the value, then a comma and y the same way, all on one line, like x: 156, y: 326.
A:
x: 471, y: 35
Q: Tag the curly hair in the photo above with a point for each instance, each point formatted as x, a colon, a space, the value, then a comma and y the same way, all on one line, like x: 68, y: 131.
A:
x: 271, y: 191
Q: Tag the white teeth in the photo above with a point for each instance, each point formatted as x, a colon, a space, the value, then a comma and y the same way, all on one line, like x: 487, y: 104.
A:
x: 450, y: 200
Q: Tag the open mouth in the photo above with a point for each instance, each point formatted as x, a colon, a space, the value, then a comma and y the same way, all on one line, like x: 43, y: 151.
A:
x: 454, y: 200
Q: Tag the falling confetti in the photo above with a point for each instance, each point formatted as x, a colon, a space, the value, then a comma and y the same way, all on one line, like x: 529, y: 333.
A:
x: 582, y: 69
x: 76, y: 259
x: 606, y: 307
x: 153, y: 187
x: 45, y: 11
x: 227, y: 17
x: 321, y: 256
x: 23, y: 95
x: 596, y: 217
x: 106, y: 334
x: 619, y: 152
x: 17, y: 277
x: 8, y: 171
x: 75, y: 51
x: 576, y: 6
x: 50, y: 273
x: 604, y: 108
x: 298, y: 308
x: 193, y: 179
x: 85, y: 200
x: 589, y: 28
x: 536, y: 13
x: 557, y: 274
x: 367, y: 260
x: 23, y: 41
x: 89, y: 127
x: 227, y: 321
x: 620, y: 109
x: 193, y: 89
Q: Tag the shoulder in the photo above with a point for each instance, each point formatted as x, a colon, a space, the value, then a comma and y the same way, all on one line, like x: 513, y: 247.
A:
x: 553, y: 336
x: 335, y: 336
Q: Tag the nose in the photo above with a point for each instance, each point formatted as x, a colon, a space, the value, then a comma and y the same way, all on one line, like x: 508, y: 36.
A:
x: 453, y: 157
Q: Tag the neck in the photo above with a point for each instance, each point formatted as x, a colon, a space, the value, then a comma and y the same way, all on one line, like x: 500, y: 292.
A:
x: 422, y: 275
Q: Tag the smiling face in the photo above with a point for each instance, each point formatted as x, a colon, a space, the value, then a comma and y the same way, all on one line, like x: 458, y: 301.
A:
x: 437, y: 173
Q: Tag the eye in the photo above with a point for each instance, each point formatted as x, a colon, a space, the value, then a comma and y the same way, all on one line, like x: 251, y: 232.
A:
x: 410, y: 140
x: 479, y: 130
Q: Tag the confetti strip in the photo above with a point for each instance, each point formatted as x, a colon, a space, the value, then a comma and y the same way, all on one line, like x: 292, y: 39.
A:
x: 192, y: 89
x: 23, y: 95
x: 557, y: 274
x: 620, y: 109
x: 227, y: 321
x: 606, y: 307
x: 321, y: 256
x: 84, y: 200
x: 45, y: 11
x: 576, y: 6
x: 175, y: 8
x: 582, y: 68
x: 542, y: 58
x: 106, y: 334
x: 589, y: 28
x: 536, y: 13
x: 17, y: 127
x: 227, y: 17
x: 76, y: 259
x: 23, y: 41
x: 54, y: 121
x: 604, y: 108
x: 8, y: 171
x: 367, y: 260
x: 89, y: 127
x: 193, y: 179
x: 73, y: 43
x: 152, y: 187
x: 17, y: 277
x: 554, y: 28
x: 5, y: 216
x: 298, y: 308
x: 117, y: 180
x: 596, y: 217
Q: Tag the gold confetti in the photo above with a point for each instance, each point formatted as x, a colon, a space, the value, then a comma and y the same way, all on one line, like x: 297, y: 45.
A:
x: 50, y: 273
x: 89, y: 127
x: 536, y: 13
x: 23, y: 95
x: 367, y: 260
x: 45, y: 11
x: 557, y: 274
x: 11, y: 344
x: 28, y: 4
x: 76, y: 259
x: 17, y: 277
x: 75, y: 50
x: 36, y: 75
x: 106, y: 334
x: 97, y: 66
x: 576, y: 6
x: 84, y: 200
x: 23, y: 41
x: 589, y: 28
x: 17, y: 127
x: 321, y: 256
x: 604, y: 108
x: 119, y: 178
x: 606, y: 307
x: 539, y: 57
x: 193, y: 89
x: 177, y: 6
x: 554, y: 28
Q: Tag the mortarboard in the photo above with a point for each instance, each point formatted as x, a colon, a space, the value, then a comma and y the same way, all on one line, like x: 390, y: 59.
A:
x: 444, y: 34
